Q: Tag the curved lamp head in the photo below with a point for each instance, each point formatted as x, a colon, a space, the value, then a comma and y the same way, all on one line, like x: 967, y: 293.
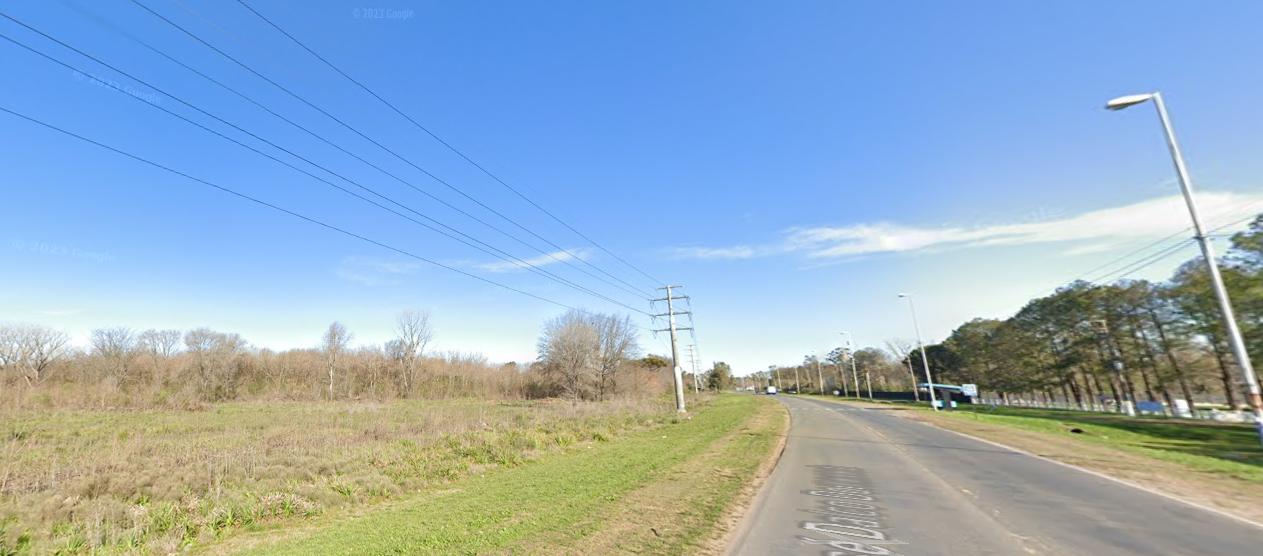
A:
x: 1129, y: 100
x: 905, y: 295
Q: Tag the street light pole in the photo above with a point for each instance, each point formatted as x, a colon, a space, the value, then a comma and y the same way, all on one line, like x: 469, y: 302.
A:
x: 1208, y: 252
x: 850, y: 352
x: 925, y: 361
x: 819, y: 376
x: 916, y: 394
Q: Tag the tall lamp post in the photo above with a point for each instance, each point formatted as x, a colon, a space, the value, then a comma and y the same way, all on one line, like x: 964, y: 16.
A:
x: 1208, y: 251
x: 850, y: 353
x: 925, y: 361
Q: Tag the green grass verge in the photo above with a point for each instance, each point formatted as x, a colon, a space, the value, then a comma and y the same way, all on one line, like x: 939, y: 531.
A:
x: 560, y: 497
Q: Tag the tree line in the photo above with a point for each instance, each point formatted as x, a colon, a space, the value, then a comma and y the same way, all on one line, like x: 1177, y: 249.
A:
x: 878, y: 369
x: 1089, y: 344
x: 581, y: 355
x: 1085, y: 345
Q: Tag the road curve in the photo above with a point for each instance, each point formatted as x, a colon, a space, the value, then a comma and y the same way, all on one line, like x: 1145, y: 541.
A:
x: 864, y: 481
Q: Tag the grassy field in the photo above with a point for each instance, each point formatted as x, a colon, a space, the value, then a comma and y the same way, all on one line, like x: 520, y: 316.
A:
x: 661, y: 490
x: 169, y: 481
x: 162, y: 481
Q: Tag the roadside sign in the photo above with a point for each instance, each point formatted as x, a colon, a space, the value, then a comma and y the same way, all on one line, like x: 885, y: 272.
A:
x: 970, y: 390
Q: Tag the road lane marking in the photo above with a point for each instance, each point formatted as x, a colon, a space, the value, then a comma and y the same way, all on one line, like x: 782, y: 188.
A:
x: 847, y: 513
x: 970, y: 501
x: 1136, y: 486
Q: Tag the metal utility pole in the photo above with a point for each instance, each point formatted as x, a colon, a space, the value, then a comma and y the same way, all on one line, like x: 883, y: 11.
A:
x: 819, y: 376
x: 924, y: 360
x: 798, y: 388
x: 1208, y: 252
x: 694, y: 354
x: 693, y: 364
x: 868, y: 381
x: 850, y: 353
x: 916, y: 394
x: 676, y: 372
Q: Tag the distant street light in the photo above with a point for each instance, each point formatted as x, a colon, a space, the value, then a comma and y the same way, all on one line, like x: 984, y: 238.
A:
x: 1208, y: 252
x: 925, y: 361
x: 850, y: 352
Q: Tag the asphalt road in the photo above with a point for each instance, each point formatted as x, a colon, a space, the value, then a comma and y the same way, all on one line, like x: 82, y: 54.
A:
x: 865, y: 481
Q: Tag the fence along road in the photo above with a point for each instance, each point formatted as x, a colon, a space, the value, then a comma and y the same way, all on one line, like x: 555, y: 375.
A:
x: 863, y: 481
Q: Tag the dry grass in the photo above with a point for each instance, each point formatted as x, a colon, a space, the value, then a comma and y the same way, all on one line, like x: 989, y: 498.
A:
x: 662, y: 490
x: 161, y: 481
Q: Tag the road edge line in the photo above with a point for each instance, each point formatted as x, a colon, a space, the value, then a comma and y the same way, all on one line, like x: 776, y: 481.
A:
x: 1150, y: 490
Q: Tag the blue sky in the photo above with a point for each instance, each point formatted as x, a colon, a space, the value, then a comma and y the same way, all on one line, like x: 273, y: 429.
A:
x: 794, y: 164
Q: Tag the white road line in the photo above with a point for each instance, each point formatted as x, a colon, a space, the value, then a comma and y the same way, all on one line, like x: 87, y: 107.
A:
x: 1136, y: 486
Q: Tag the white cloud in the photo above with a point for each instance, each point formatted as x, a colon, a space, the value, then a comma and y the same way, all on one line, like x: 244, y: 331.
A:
x: 368, y: 271
x: 1093, y: 231
x: 542, y: 260
x: 713, y: 253
x: 59, y: 312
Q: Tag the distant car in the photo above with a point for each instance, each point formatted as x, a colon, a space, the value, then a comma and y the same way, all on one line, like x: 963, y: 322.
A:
x: 771, y: 390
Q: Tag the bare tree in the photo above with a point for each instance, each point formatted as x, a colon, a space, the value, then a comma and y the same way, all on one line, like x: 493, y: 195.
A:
x: 570, y: 350
x: 160, y: 344
x: 617, y: 339
x: 216, y: 360
x: 334, y: 345
x: 901, y: 350
x: 116, y: 346
x: 412, y: 334
x: 10, y: 347
x: 32, y: 349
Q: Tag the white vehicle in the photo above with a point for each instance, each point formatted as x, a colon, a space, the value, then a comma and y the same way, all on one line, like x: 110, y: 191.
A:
x: 771, y: 390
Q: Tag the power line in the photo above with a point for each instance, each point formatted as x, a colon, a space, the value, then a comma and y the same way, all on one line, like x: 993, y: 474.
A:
x: 278, y: 208
x: 1143, y: 263
x: 253, y: 101
x: 1163, y: 253
x: 486, y: 248
x: 440, y: 140
x: 376, y: 143
x: 1147, y: 246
